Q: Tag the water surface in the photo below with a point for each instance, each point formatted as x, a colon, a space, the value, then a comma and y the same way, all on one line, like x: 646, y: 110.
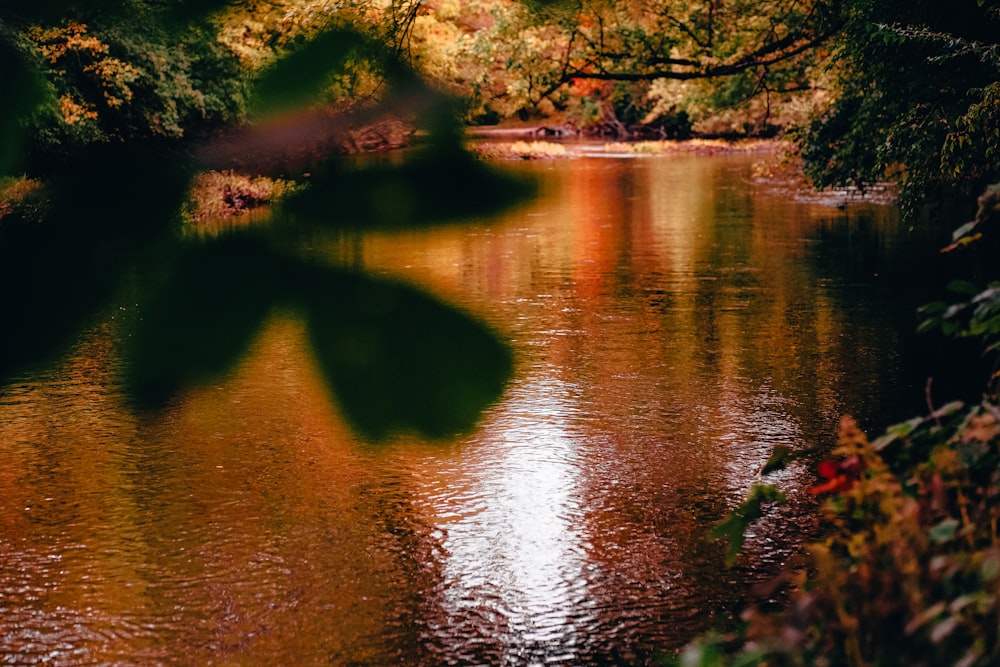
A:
x: 672, y: 322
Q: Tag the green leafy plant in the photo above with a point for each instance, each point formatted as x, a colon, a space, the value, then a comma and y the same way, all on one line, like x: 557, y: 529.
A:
x: 907, y: 568
x: 734, y: 527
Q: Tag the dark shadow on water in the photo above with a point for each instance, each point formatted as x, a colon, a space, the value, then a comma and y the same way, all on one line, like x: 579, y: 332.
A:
x: 396, y: 358
x: 64, y: 252
x: 893, y: 273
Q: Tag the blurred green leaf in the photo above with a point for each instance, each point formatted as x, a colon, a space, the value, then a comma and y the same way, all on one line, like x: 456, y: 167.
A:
x: 964, y: 230
x: 944, y: 531
x: 709, y: 650
x: 963, y: 287
x: 897, y: 431
x: 433, y: 187
x: 705, y: 653
x: 22, y: 89
x: 733, y: 528
x: 933, y: 308
x: 955, y: 309
x: 948, y: 409
x: 928, y: 325
x: 781, y: 456
x: 199, y: 322
x: 399, y: 360
x: 298, y: 78
x: 944, y: 629
x: 989, y: 296
x: 64, y: 255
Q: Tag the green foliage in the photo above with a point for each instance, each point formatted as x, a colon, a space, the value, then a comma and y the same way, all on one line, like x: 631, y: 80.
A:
x: 909, y: 570
x: 780, y: 457
x: 917, y: 101
x: 129, y: 80
x: 734, y: 527
x: 977, y: 314
x: 200, y: 320
x: 432, y: 187
x: 23, y: 90
x: 397, y: 359
x: 300, y: 76
x: 63, y: 248
x: 972, y: 150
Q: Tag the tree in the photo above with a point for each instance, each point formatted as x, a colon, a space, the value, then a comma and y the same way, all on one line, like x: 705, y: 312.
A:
x: 919, y: 101
x: 519, y: 56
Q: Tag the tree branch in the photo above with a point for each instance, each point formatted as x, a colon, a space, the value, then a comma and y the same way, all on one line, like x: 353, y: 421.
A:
x: 770, y: 54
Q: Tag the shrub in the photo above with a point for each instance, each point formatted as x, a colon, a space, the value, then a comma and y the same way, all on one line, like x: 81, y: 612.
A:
x: 908, y: 569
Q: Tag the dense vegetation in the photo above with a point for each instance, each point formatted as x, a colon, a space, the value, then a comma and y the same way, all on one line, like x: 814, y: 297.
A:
x: 872, y: 90
x: 907, y: 568
x: 624, y: 67
x: 138, y: 97
x: 918, y: 100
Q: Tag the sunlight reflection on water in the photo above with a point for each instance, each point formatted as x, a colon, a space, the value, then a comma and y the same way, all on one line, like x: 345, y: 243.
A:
x: 512, y: 529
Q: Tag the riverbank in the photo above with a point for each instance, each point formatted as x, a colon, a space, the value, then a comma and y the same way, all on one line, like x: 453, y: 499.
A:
x: 546, y: 143
x: 779, y: 168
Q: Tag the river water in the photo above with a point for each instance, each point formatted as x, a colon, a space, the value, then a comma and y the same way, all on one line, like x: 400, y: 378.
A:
x: 672, y: 321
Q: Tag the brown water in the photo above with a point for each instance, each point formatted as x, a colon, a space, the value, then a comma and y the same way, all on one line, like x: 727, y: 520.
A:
x: 672, y: 322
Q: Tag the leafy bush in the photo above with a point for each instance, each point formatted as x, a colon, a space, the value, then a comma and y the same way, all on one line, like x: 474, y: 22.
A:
x: 220, y: 195
x: 129, y: 81
x: 908, y: 569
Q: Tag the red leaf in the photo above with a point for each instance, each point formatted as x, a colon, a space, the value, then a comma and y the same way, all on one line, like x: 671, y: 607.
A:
x: 828, y: 468
x: 834, y: 485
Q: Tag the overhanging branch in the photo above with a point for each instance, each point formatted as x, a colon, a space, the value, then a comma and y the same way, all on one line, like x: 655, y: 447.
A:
x: 767, y: 55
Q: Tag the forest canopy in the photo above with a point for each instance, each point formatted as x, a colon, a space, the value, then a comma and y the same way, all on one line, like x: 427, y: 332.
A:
x: 627, y: 63
x: 870, y: 90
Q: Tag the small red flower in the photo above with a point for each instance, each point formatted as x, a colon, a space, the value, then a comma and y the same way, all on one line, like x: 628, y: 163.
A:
x: 839, y: 475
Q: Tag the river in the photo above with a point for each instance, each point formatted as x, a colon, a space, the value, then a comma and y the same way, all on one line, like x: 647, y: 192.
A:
x: 672, y: 320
